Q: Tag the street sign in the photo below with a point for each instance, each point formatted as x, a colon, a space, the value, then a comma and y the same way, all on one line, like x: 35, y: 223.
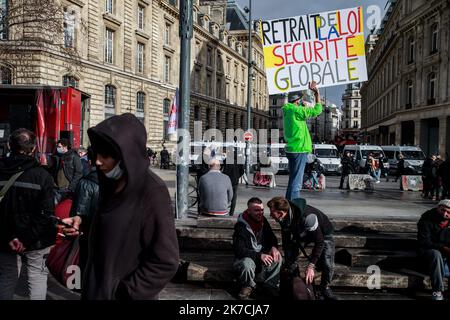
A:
x: 248, y: 136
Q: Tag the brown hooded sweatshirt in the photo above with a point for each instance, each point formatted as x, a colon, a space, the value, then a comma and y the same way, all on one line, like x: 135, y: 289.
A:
x: 133, y: 247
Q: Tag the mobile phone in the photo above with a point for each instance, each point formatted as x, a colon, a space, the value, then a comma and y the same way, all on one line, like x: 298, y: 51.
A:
x: 62, y: 223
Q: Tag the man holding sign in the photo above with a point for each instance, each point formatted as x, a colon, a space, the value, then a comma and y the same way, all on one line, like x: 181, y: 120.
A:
x: 298, y: 139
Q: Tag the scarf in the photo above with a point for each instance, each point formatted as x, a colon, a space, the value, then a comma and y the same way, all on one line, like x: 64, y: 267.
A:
x: 255, y: 225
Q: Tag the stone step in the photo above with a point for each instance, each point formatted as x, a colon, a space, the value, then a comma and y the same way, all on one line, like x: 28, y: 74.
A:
x: 221, y: 239
x: 217, y: 267
x: 382, y: 258
x: 343, y: 225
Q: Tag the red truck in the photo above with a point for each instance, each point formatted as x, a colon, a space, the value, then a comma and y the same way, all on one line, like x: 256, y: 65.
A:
x: 52, y: 112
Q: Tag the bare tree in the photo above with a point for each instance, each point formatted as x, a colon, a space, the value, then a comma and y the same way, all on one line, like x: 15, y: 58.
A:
x: 30, y: 28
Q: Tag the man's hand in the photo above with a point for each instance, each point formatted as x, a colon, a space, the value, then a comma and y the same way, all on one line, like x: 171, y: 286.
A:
x: 16, y: 245
x: 313, y: 88
x: 309, y: 275
x: 276, y: 255
x: 446, y: 251
x: 266, y: 259
x: 75, y: 223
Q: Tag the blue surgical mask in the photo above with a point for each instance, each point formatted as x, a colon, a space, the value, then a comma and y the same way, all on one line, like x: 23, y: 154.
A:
x: 116, y: 173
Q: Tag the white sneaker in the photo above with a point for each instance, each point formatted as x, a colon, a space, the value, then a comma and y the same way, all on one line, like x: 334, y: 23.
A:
x: 378, y: 181
x: 437, y: 295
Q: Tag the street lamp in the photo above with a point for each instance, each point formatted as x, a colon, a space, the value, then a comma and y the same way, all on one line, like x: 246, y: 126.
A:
x: 249, y: 87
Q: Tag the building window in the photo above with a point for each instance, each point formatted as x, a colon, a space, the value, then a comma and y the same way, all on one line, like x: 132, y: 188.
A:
x: 141, y: 17
x: 274, y: 113
x: 166, y: 109
x: 243, y: 74
x: 109, y: 6
x: 69, y: 28
x: 235, y: 94
x: 3, y: 19
x: 167, y: 34
x: 167, y: 69
x: 110, y: 101
x: 234, y: 120
x: 196, y: 113
x: 228, y: 66
x: 434, y: 38
x: 70, y: 81
x: 208, y: 84
x: 355, y: 113
x: 197, y: 80
x: 242, y: 122
x: 5, y: 75
x: 208, y: 118
x: 173, y: 2
x: 209, y: 57
x: 140, y: 57
x: 219, y: 62
x: 274, y: 102
x: 218, y: 119
x: 409, y: 94
x: 109, y: 46
x: 411, y: 50
x: 140, y: 105
x: 219, y: 88
x: 355, y: 124
x: 227, y: 120
x: 432, y: 88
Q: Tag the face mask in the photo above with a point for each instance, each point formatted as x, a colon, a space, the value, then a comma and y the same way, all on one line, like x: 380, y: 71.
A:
x: 60, y: 150
x: 116, y: 173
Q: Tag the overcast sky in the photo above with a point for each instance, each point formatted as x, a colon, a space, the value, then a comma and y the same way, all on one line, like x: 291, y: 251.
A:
x: 275, y: 9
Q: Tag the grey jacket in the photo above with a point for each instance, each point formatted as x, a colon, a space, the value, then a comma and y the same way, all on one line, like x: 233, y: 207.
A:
x: 215, y: 192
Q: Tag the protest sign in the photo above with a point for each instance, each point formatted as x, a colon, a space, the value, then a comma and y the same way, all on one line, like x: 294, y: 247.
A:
x: 326, y: 47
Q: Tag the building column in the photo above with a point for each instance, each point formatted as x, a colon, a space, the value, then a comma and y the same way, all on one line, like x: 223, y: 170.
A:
x: 417, y: 132
x: 442, y: 135
x: 398, y: 133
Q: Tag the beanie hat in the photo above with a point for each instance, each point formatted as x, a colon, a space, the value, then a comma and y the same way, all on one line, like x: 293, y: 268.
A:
x: 445, y: 203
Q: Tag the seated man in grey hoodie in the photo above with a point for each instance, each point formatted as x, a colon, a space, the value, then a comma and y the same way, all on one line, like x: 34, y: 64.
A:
x: 255, y: 249
x: 215, y: 191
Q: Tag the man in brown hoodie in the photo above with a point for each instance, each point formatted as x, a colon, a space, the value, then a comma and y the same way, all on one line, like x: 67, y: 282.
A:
x: 133, y: 247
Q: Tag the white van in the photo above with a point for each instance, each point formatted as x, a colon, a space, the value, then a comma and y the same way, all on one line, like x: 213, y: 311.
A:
x: 413, y: 156
x: 328, y: 156
x: 278, y: 156
x: 361, y: 152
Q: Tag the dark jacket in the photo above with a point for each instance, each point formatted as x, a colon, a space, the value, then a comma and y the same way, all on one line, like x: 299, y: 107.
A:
x: 27, y: 208
x: 294, y: 233
x: 346, y: 165
x: 429, y: 234
x: 234, y: 171
x: 72, y: 168
x: 133, y: 246
x: 245, y: 241
x: 85, y: 202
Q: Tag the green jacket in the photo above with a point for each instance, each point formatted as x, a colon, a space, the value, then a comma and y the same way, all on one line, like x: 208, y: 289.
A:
x: 296, y: 133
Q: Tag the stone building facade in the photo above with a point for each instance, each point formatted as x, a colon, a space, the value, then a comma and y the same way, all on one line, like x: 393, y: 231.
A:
x: 351, y: 107
x: 407, y: 97
x: 129, y: 55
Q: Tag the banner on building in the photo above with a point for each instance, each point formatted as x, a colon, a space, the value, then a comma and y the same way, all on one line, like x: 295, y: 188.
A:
x: 326, y: 47
x: 172, y: 125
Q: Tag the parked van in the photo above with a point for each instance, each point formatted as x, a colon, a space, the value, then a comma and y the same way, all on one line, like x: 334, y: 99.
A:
x: 361, y: 152
x: 328, y: 156
x: 413, y: 156
x: 278, y: 156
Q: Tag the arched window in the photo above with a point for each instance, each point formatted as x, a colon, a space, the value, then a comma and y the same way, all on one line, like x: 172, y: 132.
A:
x: 5, y: 75
x: 110, y: 101
x: 70, y: 81
x: 140, y: 105
x: 166, y: 110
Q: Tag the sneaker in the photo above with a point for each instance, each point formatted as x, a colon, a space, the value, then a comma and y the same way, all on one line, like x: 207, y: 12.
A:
x: 327, y: 294
x: 245, y: 293
x: 437, y: 295
x: 378, y: 181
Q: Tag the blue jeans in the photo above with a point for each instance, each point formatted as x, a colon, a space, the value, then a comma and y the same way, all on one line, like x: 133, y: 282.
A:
x: 297, y: 162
